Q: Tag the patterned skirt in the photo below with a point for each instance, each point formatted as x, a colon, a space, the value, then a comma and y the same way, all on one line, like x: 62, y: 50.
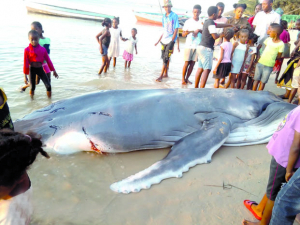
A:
x: 127, y: 56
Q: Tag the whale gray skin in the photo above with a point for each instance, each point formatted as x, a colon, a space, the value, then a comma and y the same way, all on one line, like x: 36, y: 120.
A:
x: 193, y: 122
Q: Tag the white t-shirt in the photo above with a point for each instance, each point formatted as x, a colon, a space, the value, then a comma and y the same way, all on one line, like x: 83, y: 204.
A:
x: 17, y: 210
x: 131, y: 44
x: 222, y: 20
x: 192, y: 25
x: 262, y: 22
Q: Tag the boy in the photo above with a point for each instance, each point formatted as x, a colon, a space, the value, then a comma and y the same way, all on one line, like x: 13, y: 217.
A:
x: 206, y: 47
x: 169, y: 37
x: 5, y: 119
x: 191, y: 30
x: 273, y: 51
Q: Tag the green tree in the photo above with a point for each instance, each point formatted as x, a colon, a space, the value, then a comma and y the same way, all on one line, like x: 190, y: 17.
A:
x: 250, y: 5
x: 291, y: 7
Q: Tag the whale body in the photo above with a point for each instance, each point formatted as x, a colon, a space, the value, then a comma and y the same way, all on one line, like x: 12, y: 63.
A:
x: 193, y: 122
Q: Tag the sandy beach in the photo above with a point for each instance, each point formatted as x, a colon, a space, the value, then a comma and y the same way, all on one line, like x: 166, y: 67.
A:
x: 74, y: 189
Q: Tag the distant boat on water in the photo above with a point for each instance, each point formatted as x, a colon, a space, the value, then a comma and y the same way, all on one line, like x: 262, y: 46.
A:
x: 63, y: 11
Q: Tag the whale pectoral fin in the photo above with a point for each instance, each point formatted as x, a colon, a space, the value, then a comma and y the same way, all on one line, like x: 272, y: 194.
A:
x: 193, y: 149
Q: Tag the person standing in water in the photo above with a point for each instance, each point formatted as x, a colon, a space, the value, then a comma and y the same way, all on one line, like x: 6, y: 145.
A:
x: 132, y: 44
x: 114, y: 47
x: 170, y: 25
x: 191, y: 30
x: 103, y: 38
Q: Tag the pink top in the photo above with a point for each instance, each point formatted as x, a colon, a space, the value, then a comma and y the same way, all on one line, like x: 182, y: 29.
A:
x: 36, y: 54
x: 227, y: 46
x: 285, y: 36
x: 281, y: 141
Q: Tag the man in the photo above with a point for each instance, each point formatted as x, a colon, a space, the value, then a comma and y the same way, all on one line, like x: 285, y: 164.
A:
x: 206, y: 47
x: 221, y: 20
x: 5, y: 119
x: 170, y: 25
x: 264, y: 18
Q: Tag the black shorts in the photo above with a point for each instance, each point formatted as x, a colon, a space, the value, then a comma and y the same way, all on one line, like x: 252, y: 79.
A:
x: 276, y: 179
x: 223, y: 71
x: 41, y: 74
x: 166, y: 51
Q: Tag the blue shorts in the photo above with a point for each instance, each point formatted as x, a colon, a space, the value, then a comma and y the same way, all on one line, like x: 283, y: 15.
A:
x: 205, y: 57
x: 105, y: 49
x: 262, y: 73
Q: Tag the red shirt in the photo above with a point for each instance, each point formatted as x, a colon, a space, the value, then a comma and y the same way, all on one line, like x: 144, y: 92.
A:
x: 250, y: 20
x: 36, y: 54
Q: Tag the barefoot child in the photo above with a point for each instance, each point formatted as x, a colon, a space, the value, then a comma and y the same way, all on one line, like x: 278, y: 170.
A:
x: 114, y: 47
x: 284, y: 147
x: 44, y: 42
x: 191, y: 26
x: 131, y: 45
x: 206, y: 47
x: 238, y: 57
x: 273, y: 51
x: 5, y: 119
x: 249, y: 62
x: 170, y: 25
x: 103, y: 38
x: 17, y: 153
x: 223, y: 66
x: 34, y: 57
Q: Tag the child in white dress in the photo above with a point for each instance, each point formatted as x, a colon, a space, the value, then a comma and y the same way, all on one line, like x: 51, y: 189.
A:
x: 128, y: 53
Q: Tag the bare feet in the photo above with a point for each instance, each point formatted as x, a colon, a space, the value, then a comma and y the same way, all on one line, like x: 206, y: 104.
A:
x: 165, y: 76
x: 159, y: 79
x: 184, y: 83
x: 221, y: 86
x: 276, y: 81
x: 189, y: 82
x: 246, y: 222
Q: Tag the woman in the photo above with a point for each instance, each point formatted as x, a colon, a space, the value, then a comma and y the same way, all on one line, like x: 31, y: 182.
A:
x: 238, y: 21
x: 257, y: 9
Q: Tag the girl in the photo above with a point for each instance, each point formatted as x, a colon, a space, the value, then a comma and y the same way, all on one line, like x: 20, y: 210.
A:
x: 238, y: 21
x: 284, y: 147
x: 34, y: 57
x: 128, y: 53
x: 103, y: 38
x: 223, y: 66
x: 17, y: 153
x: 114, y: 47
x: 285, y: 37
x: 238, y: 57
x: 248, y: 64
x: 44, y: 42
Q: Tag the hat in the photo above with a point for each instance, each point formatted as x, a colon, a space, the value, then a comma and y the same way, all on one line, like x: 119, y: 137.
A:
x: 167, y: 3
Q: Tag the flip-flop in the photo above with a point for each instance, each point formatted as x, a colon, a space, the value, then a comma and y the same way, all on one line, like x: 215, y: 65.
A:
x: 248, y: 205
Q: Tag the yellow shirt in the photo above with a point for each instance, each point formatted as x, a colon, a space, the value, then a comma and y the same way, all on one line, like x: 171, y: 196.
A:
x: 270, y: 53
x: 5, y: 119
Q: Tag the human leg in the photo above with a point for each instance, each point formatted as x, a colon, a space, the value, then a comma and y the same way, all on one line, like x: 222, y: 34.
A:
x: 257, y: 76
x: 228, y: 82
x: 115, y: 61
x: 292, y: 95
x: 32, y: 80
x: 205, y: 58
x: 232, y: 80
x: 198, y: 76
x: 184, y: 70
x: 43, y: 76
x: 244, y: 79
x: 166, y: 74
x: 190, y: 70
x: 217, y: 83
x: 129, y: 63
x: 265, y: 77
x: 164, y: 68
x: 204, y: 78
x: 104, y: 63
x: 239, y: 80
x: 125, y: 64
x: 250, y: 83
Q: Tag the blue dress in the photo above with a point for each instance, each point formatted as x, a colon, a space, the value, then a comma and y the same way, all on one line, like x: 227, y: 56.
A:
x: 238, y: 58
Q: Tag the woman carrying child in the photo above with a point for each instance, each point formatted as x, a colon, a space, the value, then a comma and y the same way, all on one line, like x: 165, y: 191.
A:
x: 238, y: 57
x: 103, y: 38
x: 223, y: 66
x: 284, y: 147
x: 114, y: 47
x: 132, y: 44
x: 17, y: 153
x: 34, y: 57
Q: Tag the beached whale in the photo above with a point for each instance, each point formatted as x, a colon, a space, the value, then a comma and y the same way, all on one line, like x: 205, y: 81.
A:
x: 193, y: 122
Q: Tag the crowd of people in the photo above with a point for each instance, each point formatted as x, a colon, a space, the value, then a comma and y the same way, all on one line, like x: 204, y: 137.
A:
x: 249, y: 51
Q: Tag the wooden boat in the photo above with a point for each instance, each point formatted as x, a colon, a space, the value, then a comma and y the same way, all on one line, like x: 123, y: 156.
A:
x: 64, y: 12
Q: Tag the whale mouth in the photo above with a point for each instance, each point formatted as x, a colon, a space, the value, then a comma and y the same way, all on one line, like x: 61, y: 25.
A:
x: 93, y: 145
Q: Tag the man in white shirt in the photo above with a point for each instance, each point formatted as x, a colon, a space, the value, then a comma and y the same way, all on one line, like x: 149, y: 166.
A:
x: 264, y: 18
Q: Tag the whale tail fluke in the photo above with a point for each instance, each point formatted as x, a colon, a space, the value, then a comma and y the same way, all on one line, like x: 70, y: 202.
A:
x: 193, y: 149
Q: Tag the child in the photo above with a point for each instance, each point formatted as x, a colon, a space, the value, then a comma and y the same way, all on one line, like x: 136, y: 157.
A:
x: 5, y: 119
x: 17, y: 153
x: 284, y: 147
x: 170, y: 24
x: 192, y: 41
x: 34, y: 57
x: 114, y: 47
x: 295, y: 85
x: 238, y: 57
x: 206, y: 48
x: 223, y: 66
x: 249, y: 62
x: 103, y: 38
x: 285, y: 37
x: 273, y: 51
x: 132, y: 44
x: 44, y: 42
